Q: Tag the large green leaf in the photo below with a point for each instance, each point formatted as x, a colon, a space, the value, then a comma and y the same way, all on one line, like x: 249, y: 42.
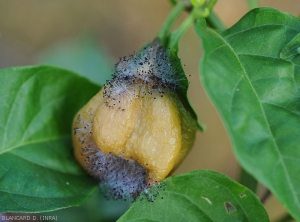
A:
x: 38, y: 172
x: 251, y: 72
x: 199, y: 196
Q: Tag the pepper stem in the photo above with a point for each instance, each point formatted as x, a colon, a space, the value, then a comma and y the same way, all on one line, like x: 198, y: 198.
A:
x: 165, y: 30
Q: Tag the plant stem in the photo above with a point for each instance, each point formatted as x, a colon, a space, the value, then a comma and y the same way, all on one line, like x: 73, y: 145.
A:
x: 171, y: 40
x: 253, y: 4
x: 214, y: 22
x: 266, y: 195
x: 211, y: 4
x: 164, y: 32
x: 173, y: 2
x: 176, y: 35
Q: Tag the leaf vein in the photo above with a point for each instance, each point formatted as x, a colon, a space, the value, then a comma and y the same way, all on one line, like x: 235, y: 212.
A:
x: 4, y: 139
x: 49, y: 139
x: 260, y: 27
x: 268, y: 127
x: 282, y: 107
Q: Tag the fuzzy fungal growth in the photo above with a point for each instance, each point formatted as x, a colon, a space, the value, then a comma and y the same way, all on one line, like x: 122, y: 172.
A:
x: 135, y: 131
x: 119, y: 177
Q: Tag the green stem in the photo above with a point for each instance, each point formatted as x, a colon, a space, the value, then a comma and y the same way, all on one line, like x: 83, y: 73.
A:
x: 173, y: 2
x: 165, y: 30
x: 214, y: 22
x: 253, y: 4
x: 211, y: 5
x: 176, y: 35
x: 171, y: 40
x: 265, y: 196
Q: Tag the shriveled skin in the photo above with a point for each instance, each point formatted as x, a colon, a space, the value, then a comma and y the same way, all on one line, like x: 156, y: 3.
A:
x: 86, y: 113
x: 156, y: 139
x: 113, y: 127
x: 188, y: 133
x: 154, y: 130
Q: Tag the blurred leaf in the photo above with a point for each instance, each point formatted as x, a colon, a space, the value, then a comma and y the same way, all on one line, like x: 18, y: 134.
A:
x: 215, y: 22
x: 38, y: 172
x: 82, y: 55
x: 253, y: 4
x: 199, y: 196
x: 285, y: 218
x: 248, y: 180
x: 257, y: 92
x: 96, y: 209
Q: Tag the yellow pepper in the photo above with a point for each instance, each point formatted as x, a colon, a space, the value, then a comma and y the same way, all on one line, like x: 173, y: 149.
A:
x: 135, y: 131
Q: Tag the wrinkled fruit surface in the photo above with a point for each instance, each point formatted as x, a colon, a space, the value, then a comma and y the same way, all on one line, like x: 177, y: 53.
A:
x: 134, y: 128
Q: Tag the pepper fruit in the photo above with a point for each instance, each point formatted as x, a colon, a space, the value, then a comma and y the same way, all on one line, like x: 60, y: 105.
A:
x: 135, y: 131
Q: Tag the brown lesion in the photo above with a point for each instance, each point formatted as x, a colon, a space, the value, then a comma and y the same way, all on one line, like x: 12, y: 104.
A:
x: 229, y: 207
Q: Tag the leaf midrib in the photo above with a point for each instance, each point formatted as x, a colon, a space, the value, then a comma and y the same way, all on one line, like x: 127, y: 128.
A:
x: 258, y: 26
x: 27, y: 195
x: 43, y: 140
x: 266, y: 121
x: 4, y: 138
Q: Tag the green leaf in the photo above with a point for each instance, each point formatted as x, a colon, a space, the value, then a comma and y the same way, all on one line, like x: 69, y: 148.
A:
x: 215, y: 22
x: 199, y: 196
x: 248, y: 180
x: 38, y: 172
x: 253, y: 4
x: 256, y: 88
x: 82, y: 55
x: 291, y: 51
x: 97, y: 208
x: 182, y: 90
